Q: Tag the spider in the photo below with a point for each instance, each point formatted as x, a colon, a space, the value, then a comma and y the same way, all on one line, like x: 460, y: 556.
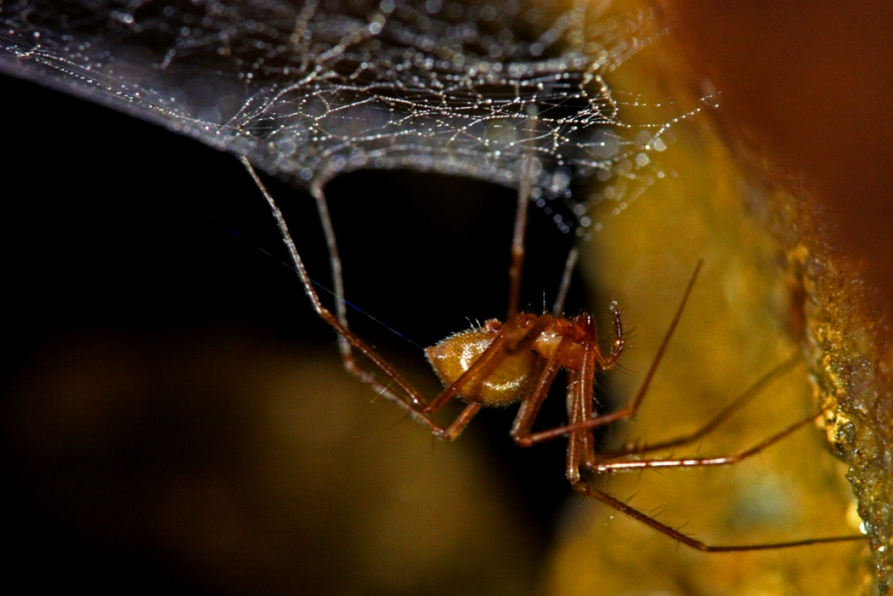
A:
x: 498, y: 364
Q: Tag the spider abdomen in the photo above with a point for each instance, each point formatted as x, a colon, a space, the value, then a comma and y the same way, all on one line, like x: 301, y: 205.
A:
x: 505, y: 384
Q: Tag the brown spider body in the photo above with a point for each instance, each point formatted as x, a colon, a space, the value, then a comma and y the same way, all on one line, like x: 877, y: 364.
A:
x: 510, y: 379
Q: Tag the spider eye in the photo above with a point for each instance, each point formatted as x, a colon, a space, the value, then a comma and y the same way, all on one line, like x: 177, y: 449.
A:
x: 505, y: 384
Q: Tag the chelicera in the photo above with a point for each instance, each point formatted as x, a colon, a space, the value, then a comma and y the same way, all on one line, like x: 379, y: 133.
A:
x: 498, y: 364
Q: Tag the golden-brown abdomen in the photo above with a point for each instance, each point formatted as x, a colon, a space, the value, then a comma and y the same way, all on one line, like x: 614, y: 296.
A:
x: 505, y: 385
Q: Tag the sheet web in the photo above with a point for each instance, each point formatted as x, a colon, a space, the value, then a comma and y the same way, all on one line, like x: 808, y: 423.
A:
x: 310, y: 90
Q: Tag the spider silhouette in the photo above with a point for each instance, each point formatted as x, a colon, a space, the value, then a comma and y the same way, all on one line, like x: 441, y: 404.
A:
x: 498, y: 364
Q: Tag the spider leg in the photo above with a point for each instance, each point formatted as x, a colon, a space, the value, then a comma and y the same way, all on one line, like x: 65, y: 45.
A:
x: 575, y: 453
x: 530, y: 405
x: 517, y: 265
x: 325, y: 218
x: 525, y: 182
x: 585, y: 389
x: 589, y: 490
x: 413, y: 402
x: 576, y: 445
x: 741, y: 401
x: 344, y: 345
x: 580, y: 451
x: 692, y: 462
x: 565, y: 284
x: 633, y: 407
x: 452, y: 432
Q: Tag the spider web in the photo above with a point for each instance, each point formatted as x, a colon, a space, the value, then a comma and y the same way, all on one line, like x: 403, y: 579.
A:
x: 308, y: 90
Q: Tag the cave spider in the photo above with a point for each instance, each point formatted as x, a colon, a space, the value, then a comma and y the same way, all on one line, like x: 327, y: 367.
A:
x: 498, y: 364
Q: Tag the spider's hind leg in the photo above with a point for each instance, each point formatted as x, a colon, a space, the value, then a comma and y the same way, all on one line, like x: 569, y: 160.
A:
x: 590, y: 491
